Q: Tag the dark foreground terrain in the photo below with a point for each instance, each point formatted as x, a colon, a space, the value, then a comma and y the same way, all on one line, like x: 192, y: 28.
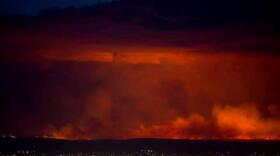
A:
x: 136, y: 147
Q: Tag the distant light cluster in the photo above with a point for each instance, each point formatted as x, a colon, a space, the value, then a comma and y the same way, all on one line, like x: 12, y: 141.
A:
x: 9, y: 136
x: 136, y: 153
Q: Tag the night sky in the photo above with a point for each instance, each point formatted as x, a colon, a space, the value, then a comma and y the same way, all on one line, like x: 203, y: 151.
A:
x: 140, y: 69
x: 34, y: 7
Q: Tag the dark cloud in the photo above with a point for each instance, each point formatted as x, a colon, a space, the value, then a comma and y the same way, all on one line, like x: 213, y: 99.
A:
x: 34, y: 7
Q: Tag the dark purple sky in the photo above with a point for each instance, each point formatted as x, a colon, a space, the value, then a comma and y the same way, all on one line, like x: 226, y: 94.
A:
x: 35, y: 6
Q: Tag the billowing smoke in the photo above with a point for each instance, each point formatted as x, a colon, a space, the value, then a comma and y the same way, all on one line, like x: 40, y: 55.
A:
x: 246, y: 122
x: 135, y: 69
x: 217, y: 96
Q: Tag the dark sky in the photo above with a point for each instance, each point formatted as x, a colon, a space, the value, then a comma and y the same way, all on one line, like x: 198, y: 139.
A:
x: 141, y: 68
x: 34, y: 6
